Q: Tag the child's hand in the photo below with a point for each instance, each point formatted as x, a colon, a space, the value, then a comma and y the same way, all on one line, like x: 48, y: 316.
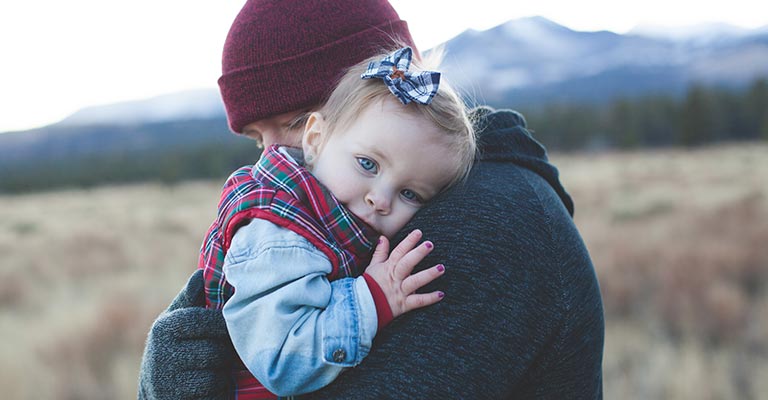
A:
x: 393, y: 273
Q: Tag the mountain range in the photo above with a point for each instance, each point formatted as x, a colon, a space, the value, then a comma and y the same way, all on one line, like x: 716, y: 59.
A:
x: 521, y: 64
x: 533, y: 60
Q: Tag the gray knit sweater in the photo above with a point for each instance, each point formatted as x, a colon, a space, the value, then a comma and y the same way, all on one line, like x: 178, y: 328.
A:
x: 522, y: 317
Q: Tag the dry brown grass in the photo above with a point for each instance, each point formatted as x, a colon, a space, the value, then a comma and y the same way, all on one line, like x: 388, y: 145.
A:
x: 82, y: 276
x: 679, y: 240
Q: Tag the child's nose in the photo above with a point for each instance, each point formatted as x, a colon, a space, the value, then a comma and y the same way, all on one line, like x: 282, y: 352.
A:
x: 379, y: 202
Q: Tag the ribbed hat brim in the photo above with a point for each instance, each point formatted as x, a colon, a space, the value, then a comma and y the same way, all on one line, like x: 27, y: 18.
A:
x: 302, y: 81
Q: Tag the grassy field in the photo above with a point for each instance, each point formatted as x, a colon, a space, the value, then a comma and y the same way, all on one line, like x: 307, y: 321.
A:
x: 679, y: 240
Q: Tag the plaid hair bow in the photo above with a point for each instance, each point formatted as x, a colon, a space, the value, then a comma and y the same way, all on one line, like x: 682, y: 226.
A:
x: 420, y: 87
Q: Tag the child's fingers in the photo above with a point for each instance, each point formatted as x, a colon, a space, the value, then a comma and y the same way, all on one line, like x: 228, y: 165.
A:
x: 415, y: 301
x: 381, y: 252
x: 421, y: 278
x: 404, y: 267
x: 405, y: 246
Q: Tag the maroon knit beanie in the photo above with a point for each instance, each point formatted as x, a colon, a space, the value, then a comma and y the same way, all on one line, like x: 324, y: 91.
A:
x: 285, y: 55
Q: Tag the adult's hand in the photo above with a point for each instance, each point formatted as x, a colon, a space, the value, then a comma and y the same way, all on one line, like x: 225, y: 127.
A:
x: 188, y: 354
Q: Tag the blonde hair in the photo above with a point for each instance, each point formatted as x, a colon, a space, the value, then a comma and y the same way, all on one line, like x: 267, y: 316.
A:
x: 446, y: 111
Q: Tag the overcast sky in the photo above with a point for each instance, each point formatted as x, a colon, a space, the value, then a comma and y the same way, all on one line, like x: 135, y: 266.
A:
x: 59, y: 56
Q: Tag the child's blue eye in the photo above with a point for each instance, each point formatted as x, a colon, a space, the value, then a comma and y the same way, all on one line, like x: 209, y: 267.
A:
x: 367, y: 164
x: 410, y: 195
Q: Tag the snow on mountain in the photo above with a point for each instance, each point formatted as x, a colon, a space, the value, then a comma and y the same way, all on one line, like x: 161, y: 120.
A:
x: 699, y: 33
x: 535, y: 59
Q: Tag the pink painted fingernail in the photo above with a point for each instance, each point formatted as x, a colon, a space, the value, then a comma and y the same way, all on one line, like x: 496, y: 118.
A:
x: 440, y: 267
x: 440, y: 294
x: 428, y: 245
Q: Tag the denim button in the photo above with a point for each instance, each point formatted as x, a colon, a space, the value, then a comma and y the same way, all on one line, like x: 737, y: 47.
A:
x: 339, y: 355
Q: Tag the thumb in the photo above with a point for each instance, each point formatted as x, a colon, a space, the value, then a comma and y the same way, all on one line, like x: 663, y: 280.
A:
x: 192, y: 294
x: 382, y: 251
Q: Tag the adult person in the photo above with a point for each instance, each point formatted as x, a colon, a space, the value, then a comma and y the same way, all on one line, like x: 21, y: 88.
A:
x: 522, y: 316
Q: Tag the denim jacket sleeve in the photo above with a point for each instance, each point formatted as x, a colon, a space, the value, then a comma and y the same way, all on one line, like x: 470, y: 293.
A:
x: 294, y: 330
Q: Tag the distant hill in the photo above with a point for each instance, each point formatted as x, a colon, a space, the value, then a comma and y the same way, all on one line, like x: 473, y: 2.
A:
x: 63, y: 155
x: 192, y: 104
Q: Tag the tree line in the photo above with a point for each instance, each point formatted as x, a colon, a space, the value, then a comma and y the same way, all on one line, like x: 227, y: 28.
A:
x: 704, y: 115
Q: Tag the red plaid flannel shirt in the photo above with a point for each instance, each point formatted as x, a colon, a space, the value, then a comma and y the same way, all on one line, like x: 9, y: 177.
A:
x: 283, y: 192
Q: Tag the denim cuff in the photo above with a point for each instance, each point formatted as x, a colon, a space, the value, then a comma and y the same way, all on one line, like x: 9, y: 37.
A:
x: 350, y: 329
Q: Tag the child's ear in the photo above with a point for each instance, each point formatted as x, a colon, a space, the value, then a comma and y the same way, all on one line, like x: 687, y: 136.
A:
x: 314, y: 137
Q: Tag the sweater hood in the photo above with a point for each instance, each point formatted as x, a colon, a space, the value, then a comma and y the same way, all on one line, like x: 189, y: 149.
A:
x: 503, y: 137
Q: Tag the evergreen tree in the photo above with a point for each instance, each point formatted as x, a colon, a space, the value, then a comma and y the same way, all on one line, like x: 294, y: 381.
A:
x: 699, y: 117
x: 757, y: 108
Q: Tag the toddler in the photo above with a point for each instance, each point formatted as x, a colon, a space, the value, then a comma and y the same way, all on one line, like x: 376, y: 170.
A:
x: 290, y: 258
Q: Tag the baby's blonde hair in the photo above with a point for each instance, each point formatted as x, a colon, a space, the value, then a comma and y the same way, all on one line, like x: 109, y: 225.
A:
x: 446, y: 111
